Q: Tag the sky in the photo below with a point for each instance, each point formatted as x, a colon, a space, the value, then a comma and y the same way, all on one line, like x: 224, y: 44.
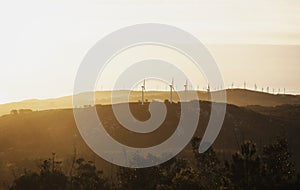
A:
x: 44, y: 42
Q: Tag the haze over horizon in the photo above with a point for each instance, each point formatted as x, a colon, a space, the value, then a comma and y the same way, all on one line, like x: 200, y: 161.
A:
x: 43, y: 43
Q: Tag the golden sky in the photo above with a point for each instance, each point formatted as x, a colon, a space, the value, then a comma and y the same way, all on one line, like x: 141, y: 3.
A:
x: 43, y: 42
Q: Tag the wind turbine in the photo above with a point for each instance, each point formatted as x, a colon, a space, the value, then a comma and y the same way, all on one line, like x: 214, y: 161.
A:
x: 171, y: 91
x: 208, y: 91
x: 143, y: 91
x: 208, y: 88
x: 185, y: 89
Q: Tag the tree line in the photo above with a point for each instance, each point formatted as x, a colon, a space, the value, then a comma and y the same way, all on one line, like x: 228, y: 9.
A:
x: 248, y: 169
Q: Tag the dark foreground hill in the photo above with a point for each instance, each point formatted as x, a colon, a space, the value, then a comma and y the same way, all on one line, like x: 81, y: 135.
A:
x: 26, y: 138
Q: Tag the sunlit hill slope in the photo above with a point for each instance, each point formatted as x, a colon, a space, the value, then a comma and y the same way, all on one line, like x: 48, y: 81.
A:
x: 239, y: 97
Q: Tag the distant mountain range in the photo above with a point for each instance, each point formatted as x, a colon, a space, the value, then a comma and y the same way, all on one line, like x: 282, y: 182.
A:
x: 239, y: 97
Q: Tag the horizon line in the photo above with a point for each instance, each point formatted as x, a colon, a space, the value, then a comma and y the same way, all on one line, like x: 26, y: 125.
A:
x: 291, y: 93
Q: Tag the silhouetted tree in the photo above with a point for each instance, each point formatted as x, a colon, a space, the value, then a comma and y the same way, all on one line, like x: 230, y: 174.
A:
x: 246, y: 168
x: 187, y: 178
x: 173, y: 174
x: 211, y: 170
x: 50, y: 177
x: 169, y: 170
x: 87, y: 177
x: 131, y: 178
x: 278, y: 168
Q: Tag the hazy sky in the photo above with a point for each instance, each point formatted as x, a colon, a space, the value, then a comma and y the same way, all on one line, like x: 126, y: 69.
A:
x: 43, y: 42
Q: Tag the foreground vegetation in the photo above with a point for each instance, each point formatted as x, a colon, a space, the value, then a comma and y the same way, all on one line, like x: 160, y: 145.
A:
x: 248, y: 169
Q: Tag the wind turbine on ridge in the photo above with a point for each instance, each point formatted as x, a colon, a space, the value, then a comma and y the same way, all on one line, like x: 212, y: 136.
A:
x: 171, y: 90
x: 185, y: 90
x: 143, y: 91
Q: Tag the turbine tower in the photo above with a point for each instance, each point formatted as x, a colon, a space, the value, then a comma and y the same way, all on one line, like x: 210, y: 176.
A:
x: 185, y: 90
x: 143, y: 91
x: 208, y: 92
x: 171, y: 91
x: 208, y: 88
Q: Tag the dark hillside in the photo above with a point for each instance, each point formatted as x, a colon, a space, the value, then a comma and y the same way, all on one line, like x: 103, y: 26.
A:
x: 31, y: 136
